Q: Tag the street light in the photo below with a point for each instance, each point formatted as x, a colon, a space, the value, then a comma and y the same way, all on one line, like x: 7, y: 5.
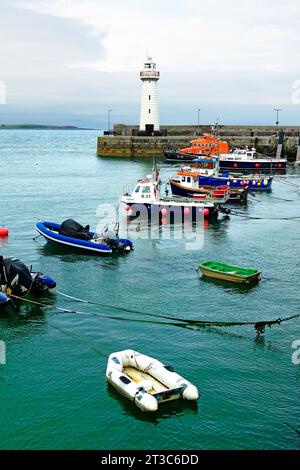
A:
x: 277, y: 115
x: 199, y: 121
x: 109, y: 111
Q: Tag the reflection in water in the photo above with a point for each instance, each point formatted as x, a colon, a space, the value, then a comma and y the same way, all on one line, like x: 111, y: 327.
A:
x: 165, y: 410
x: 230, y: 287
x: 67, y: 255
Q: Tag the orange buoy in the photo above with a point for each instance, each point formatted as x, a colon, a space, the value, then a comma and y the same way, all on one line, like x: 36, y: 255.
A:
x: 3, y: 232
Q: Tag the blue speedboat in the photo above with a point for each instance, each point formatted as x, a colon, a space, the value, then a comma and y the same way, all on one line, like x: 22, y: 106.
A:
x: 73, y: 235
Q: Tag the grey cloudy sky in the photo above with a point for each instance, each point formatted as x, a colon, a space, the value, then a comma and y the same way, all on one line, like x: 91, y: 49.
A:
x: 68, y: 61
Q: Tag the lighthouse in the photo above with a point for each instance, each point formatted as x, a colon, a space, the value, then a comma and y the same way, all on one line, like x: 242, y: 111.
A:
x: 149, y: 117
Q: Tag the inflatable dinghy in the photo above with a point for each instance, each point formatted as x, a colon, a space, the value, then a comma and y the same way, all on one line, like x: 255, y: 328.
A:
x: 73, y: 235
x: 146, y: 381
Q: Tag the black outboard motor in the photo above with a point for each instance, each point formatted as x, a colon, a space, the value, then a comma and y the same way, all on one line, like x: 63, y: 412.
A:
x: 111, y: 237
x: 15, y: 275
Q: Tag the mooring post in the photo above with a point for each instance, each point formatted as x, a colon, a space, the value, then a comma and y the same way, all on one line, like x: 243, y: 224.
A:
x: 280, y: 144
x: 298, y: 153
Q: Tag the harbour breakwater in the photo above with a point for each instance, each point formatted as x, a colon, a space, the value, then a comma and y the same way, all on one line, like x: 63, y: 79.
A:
x: 126, y: 143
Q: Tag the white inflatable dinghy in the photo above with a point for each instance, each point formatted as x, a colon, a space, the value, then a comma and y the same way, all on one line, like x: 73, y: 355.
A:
x: 146, y: 381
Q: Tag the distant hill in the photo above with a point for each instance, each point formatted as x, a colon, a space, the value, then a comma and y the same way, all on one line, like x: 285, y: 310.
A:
x: 43, y: 127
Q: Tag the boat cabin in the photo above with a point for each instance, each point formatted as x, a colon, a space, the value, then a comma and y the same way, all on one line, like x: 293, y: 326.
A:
x: 207, y: 145
x: 242, y: 154
x: 146, y: 190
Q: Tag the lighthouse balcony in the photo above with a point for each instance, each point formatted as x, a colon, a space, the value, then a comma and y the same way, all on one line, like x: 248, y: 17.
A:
x: 149, y: 75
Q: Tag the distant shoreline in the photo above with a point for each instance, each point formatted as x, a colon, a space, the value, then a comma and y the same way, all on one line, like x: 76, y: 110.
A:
x: 43, y: 127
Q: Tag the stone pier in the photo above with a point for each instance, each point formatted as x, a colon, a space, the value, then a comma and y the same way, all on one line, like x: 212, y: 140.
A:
x: 126, y: 143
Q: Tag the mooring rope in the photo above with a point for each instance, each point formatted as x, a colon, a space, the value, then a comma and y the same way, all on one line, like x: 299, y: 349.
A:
x: 245, y: 216
x: 259, y: 326
x: 287, y: 182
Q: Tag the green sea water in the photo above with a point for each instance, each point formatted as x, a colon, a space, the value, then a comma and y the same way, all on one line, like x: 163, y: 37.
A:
x: 53, y: 393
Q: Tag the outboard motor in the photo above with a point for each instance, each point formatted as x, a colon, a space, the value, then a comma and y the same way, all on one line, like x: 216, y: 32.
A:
x: 15, y: 275
x: 41, y: 283
x: 111, y: 237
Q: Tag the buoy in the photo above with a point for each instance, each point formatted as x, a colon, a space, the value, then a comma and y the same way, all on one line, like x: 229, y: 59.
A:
x: 279, y: 165
x: 205, y: 212
x: 127, y: 208
x: 235, y: 165
x: 257, y: 165
x: 164, y: 211
x: 3, y: 232
x: 186, y: 211
x: 254, y: 182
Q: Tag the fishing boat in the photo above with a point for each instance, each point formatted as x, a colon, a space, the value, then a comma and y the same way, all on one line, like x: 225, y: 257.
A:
x: 146, y: 200
x: 238, y: 160
x: 241, y: 160
x: 215, y: 177
x: 73, y: 235
x: 228, y: 272
x: 146, y: 381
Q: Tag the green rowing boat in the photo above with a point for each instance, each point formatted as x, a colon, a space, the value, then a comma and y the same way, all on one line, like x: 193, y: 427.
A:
x: 229, y: 272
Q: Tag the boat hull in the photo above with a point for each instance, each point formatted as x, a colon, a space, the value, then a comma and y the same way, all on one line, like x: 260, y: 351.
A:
x: 252, y: 165
x: 227, y: 277
x: 239, y: 196
x: 253, y: 184
x: 165, y: 212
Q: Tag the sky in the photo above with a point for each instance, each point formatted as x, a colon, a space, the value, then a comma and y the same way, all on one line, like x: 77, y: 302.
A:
x: 69, y: 61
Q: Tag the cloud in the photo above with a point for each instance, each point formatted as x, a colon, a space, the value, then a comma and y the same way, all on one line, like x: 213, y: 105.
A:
x: 218, y: 52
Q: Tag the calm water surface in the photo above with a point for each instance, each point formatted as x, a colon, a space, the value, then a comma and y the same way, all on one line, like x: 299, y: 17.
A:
x: 53, y: 393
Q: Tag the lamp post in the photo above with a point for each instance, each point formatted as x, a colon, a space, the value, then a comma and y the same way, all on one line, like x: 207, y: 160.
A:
x: 109, y: 111
x: 199, y: 121
x: 277, y: 110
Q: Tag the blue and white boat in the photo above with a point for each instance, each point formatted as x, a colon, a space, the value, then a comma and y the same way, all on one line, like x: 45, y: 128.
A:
x: 205, y: 174
x: 73, y: 235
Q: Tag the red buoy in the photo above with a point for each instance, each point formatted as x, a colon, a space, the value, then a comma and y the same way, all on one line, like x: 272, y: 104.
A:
x: 127, y: 208
x: 164, y: 211
x: 186, y: 210
x: 235, y: 165
x: 257, y: 165
x: 3, y: 232
x: 205, y: 212
x: 279, y: 165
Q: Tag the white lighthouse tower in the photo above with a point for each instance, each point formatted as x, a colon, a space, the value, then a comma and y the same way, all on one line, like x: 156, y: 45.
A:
x: 149, y: 118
